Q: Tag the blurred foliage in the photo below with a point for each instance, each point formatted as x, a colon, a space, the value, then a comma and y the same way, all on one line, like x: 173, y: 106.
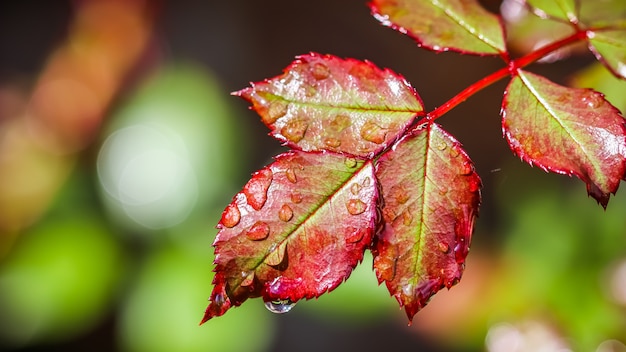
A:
x: 72, y: 253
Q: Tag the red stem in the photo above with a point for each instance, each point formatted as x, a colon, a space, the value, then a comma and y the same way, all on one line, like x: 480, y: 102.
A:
x: 511, y: 69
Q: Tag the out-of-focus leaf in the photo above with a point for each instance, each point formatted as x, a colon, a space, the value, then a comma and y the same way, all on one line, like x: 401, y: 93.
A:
x: 59, y: 280
x: 610, y: 48
x: 296, y: 230
x: 442, y: 25
x: 322, y: 102
x: 526, y: 32
x: 600, y: 13
x: 562, y: 9
x: 566, y: 130
x: 599, y: 78
x: 431, y: 195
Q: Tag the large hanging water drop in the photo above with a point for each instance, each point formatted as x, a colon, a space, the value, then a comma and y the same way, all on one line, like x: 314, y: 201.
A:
x: 280, y: 306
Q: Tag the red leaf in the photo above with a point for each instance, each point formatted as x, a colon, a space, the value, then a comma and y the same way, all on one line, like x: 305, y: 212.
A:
x: 431, y: 196
x: 566, y: 130
x: 297, y: 230
x: 322, y: 102
x: 441, y: 25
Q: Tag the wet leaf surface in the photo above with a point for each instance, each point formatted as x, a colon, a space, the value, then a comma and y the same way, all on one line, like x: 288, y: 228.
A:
x: 566, y: 130
x: 322, y: 102
x: 441, y: 25
x: 316, y: 217
x: 431, y: 194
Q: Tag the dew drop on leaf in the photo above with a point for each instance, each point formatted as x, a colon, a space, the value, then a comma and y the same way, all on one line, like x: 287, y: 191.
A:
x: 296, y: 197
x: 398, y: 194
x: 593, y: 100
x: 248, y: 278
x: 295, y: 130
x: 332, y: 142
x: 454, y: 152
x: 443, y: 247
x: 291, y: 175
x: 355, y: 188
x: 280, y: 306
x: 442, y: 145
x: 371, y: 132
x: 467, y: 168
x: 407, y: 218
x: 256, y: 189
x: 259, y: 231
x: 320, y: 71
x: 356, y: 206
x: 340, y: 123
x: 285, y: 213
x: 276, y: 254
x: 355, y: 234
x: 366, y: 182
x: 350, y: 163
x: 277, y: 109
x: 231, y: 216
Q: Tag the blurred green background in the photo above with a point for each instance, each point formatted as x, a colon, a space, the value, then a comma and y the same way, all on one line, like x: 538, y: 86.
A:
x: 120, y: 146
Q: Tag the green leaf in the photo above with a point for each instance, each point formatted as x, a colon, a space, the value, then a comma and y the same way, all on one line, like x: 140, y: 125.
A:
x: 297, y: 230
x: 601, y: 13
x: 561, y: 9
x: 566, y: 130
x: 322, y: 102
x: 441, y: 25
x: 610, y: 48
x: 431, y: 195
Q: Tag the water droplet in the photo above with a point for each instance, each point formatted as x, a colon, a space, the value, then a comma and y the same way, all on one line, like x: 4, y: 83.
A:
x: 294, y: 130
x: 340, y: 123
x: 277, y: 109
x: 593, y: 100
x: 443, y: 247
x: 355, y: 234
x: 248, y: 278
x: 296, y: 197
x: 291, y: 175
x: 355, y: 188
x: 350, y: 163
x: 371, y: 132
x: 219, y: 299
x: 332, y: 142
x: 408, y: 290
x: 276, y: 254
x: 442, y: 145
x: 256, y: 189
x: 259, y: 231
x: 398, y: 193
x: 285, y: 213
x: 320, y: 71
x: 356, y: 206
x: 280, y: 306
x: 366, y: 182
x: 467, y: 168
x: 407, y: 218
x: 454, y: 152
x: 231, y: 216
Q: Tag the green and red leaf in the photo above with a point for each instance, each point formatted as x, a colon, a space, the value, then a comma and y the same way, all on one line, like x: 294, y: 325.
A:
x: 430, y: 196
x: 566, y: 130
x: 322, y: 102
x: 609, y: 47
x: 296, y: 230
x: 442, y: 25
x: 566, y: 10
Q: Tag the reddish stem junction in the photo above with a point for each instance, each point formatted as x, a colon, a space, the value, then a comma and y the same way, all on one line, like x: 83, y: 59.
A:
x: 510, y: 69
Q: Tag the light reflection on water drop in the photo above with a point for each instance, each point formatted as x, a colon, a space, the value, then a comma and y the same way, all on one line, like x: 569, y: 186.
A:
x: 280, y: 306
